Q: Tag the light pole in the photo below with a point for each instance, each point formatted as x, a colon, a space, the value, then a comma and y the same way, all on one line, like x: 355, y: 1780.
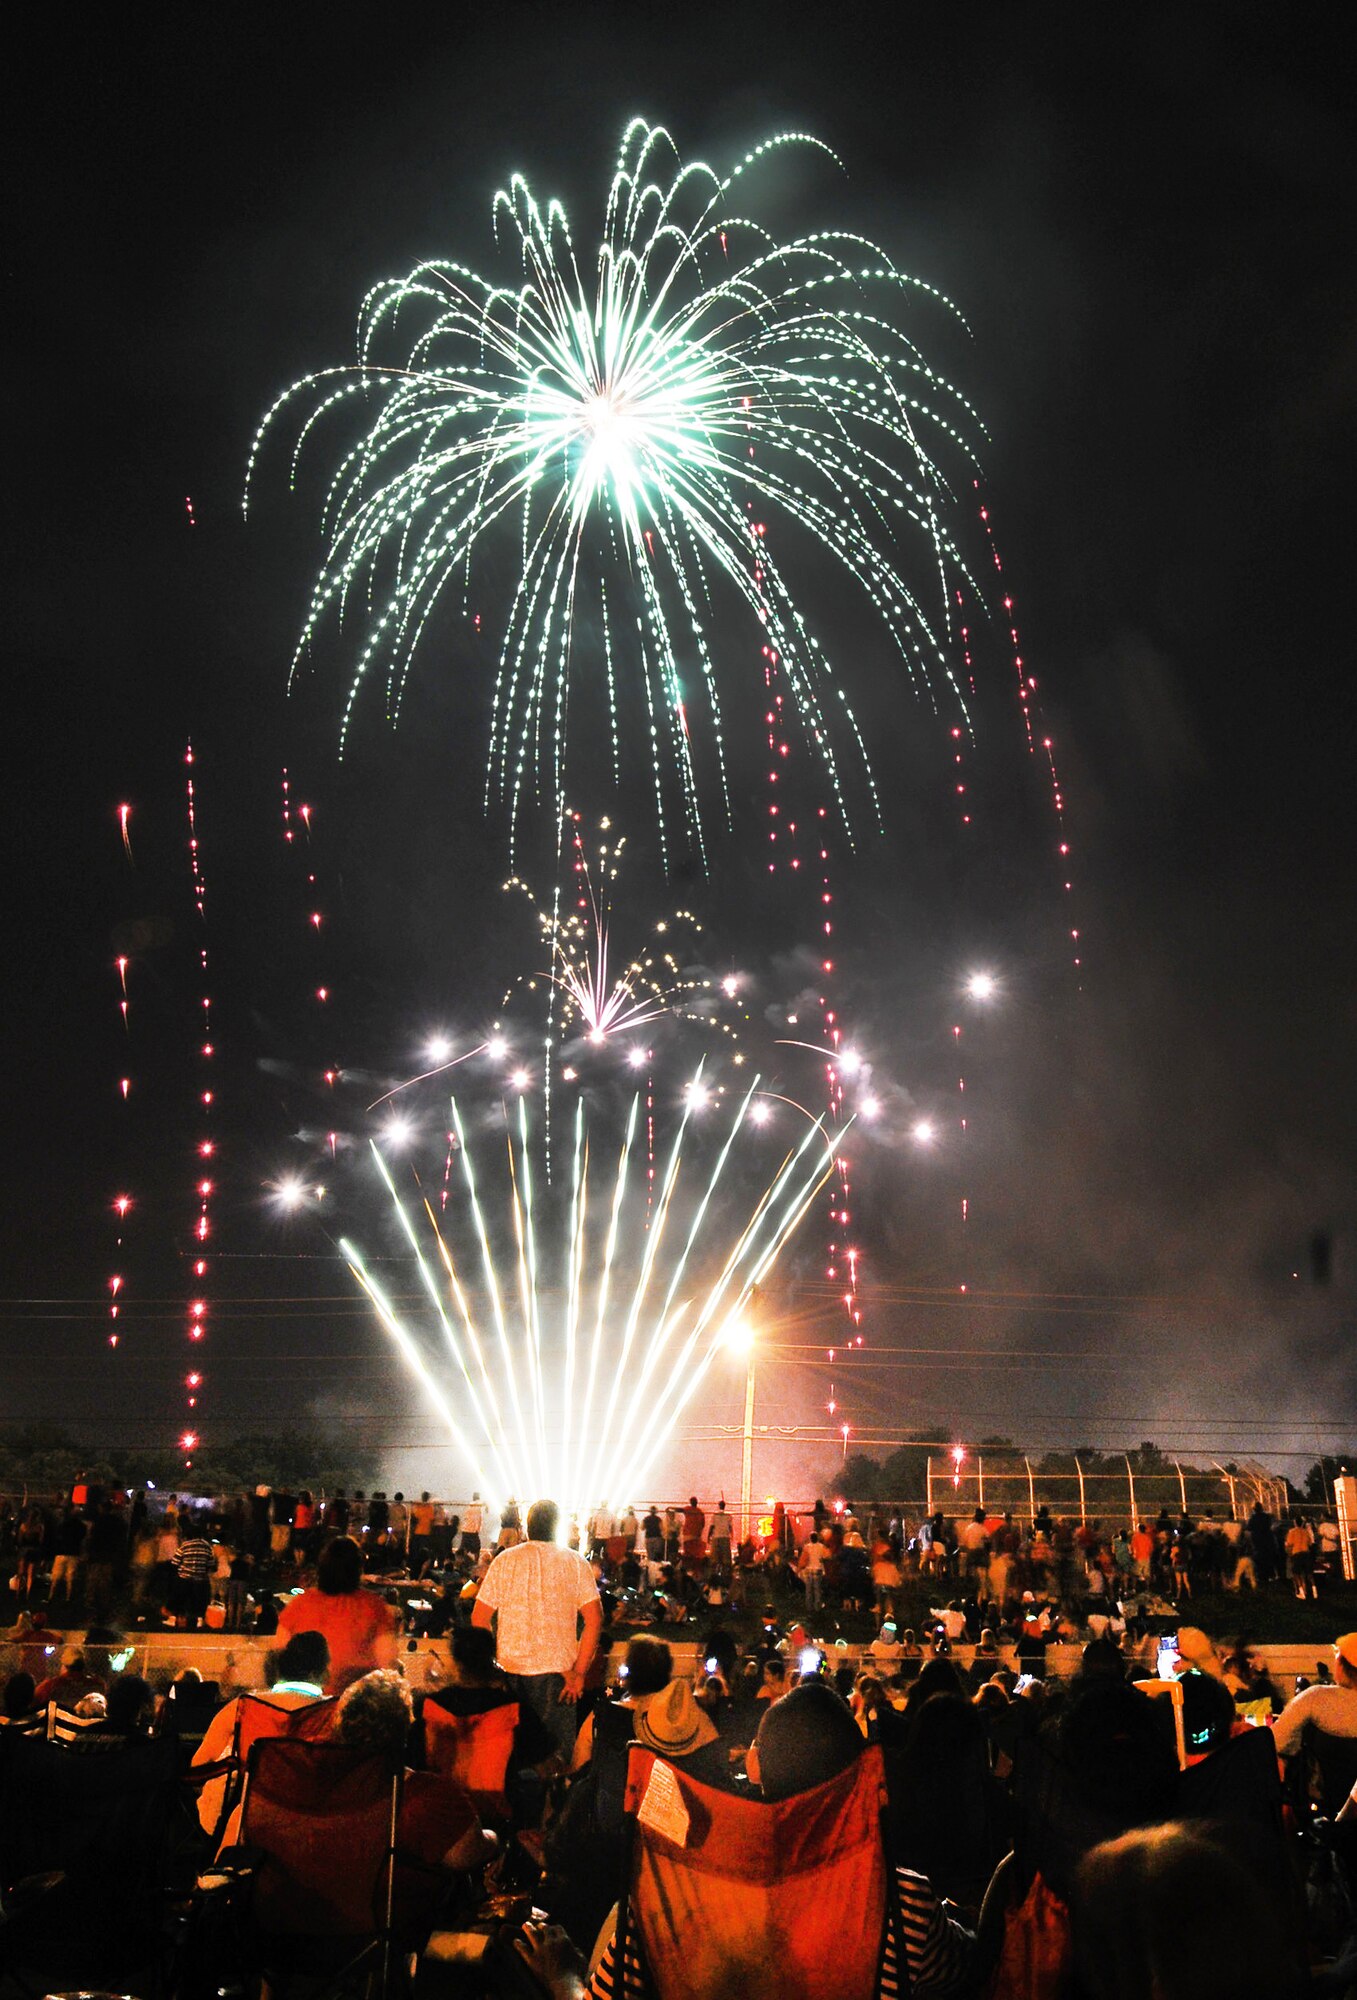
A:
x: 747, y: 1457
x: 740, y: 1338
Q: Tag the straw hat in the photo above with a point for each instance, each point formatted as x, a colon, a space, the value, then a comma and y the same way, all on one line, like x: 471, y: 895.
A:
x: 672, y: 1724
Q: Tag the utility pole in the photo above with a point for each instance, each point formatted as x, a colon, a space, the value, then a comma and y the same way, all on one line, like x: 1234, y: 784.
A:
x: 747, y: 1456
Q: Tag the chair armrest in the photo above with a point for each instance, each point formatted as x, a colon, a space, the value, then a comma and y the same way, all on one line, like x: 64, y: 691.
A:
x: 198, y: 1775
x: 232, y: 1866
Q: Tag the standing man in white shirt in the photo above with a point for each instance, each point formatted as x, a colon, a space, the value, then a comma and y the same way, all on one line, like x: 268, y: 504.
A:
x: 543, y: 1603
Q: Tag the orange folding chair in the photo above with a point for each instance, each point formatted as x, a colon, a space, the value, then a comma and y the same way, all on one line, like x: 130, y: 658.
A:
x: 727, y: 1895
x: 319, y: 1821
x: 475, y: 1750
x: 256, y: 1718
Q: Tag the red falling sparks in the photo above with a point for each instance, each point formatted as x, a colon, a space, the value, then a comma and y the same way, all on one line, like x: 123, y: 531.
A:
x: 1028, y: 702
x: 788, y: 844
x: 204, y: 1145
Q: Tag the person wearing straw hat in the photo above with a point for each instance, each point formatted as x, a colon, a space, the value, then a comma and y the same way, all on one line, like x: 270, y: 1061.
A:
x: 674, y: 1727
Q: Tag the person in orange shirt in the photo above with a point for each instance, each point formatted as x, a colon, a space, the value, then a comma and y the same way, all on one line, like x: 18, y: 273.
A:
x: 1142, y: 1549
x: 359, y: 1627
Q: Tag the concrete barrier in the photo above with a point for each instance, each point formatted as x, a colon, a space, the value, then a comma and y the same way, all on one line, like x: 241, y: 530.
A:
x: 238, y: 1661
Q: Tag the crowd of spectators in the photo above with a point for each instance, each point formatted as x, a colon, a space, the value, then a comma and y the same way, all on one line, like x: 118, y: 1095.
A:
x: 1073, y: 1786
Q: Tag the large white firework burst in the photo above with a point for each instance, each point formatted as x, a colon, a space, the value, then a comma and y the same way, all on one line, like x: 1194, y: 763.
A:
x: 640, y: 419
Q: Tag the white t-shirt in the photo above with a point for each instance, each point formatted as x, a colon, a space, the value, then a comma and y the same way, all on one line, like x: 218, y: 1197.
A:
x: 538, y: 1590
x: 1332, y: 1709
x: 473, y: 1515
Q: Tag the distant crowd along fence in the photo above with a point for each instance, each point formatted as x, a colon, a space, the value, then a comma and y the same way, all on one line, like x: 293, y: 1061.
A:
x: 999, y: 1483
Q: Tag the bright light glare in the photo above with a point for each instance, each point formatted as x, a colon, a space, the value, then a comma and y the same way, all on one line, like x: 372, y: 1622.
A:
x: 738, y: 1336
x: 520, y: 1079
x: 730, y: 985
x: 698, y: 1096
x: 439, y: 1049
x: 870, y: 1108
x: 291, y: 1192
x: 497, y: 1048
x: 759, y: 1114
x: 980, y: 986
x: 849, y: 1061
x: 923, y: 1132
x: 397, y: 1132
x: 586, y: 1414
x: 637, y: 1058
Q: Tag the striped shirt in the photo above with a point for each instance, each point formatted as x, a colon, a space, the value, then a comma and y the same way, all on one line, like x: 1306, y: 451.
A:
x: 937, y: 1951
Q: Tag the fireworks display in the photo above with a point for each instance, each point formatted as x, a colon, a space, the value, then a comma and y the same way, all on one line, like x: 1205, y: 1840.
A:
x: 564, y: 1368
x: 634, y: 419
x: 696, y: 417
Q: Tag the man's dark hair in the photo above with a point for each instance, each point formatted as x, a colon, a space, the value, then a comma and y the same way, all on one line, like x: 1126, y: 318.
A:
x: 1101, y: 1659
x: 1208, y: 1712
x: 473, y: 1649
x: 543, y: 1519
x: 305, y: 1657
x: 340, y: 1569
x: 20, y: 1689
x: 128, y: 1700
x: 650, y: 1666
x: 806, y: 1739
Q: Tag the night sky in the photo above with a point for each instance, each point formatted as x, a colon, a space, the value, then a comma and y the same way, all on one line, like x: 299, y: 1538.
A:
x: 1148, y: 231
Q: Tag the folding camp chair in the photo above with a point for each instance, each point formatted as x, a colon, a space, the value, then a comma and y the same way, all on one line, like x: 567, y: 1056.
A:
x: 256, y: 1718
x: 64, y: 1726
x: 476, y: 1750
x: 111, y: 1824
x: 25, y: 1725
x: 318, y: 1821
x: 1237, y: 1792
x: 723, y: 1894
x: 613, y: 1737
x: 1327, y: 1768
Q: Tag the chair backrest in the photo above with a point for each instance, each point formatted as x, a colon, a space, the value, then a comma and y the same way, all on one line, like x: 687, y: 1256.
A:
x: 614, y: 1728
x: 257, y: 1718
x: 1059, y: 1816
x: 1238, y: 1789
x: 1335, y: 1764
x: 324, y: 1815
x: 729, y: 1895
x: 475, y: 1750
x: 26, y: 1725
x: 1237, y: 1792
x: 63, y: 1726
x: 107, y: 1821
